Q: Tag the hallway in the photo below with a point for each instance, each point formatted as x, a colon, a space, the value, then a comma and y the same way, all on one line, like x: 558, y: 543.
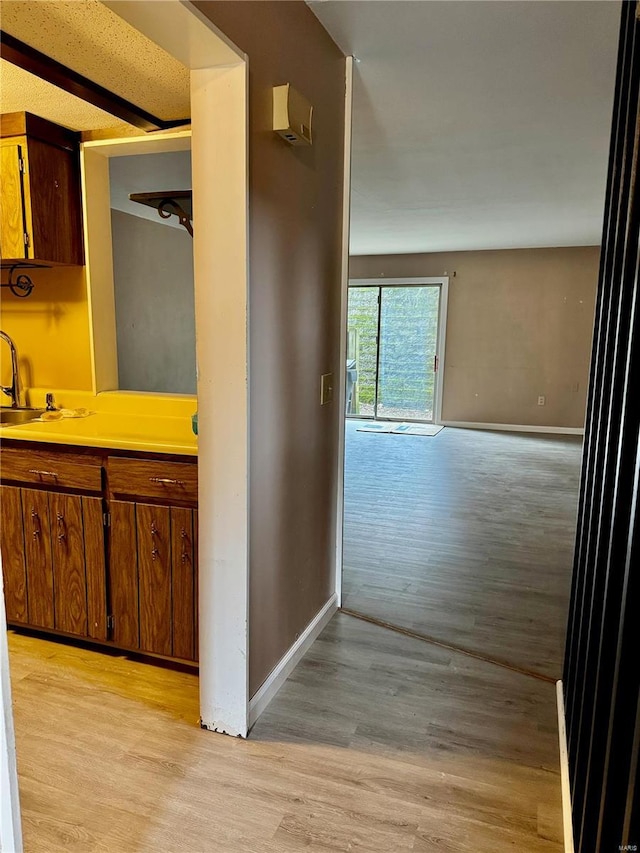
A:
x: 376, y: 743
x: 466, y: 537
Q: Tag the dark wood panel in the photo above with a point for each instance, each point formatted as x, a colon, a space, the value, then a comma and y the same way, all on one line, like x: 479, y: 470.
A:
x: 69, y: 577
x: 196, y: 585
x: 94, y: 553
x: 37, y: 539
x: 55, y: 203
x: 123, y: 575
x: 13, y: 560
x: 154, y: 564
x: 183, y: 569
x: 169, y: 482
x: 27, y: 124
x: 50, y: 468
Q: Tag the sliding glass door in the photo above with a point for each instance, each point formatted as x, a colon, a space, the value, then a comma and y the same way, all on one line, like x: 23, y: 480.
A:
x: 392, y: 356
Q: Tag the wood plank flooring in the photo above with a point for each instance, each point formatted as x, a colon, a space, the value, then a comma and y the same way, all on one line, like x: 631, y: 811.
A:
x: 466, y: 536
x: 378, y: 742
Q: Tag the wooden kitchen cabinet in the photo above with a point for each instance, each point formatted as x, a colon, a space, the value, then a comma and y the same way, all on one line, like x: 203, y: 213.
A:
x: 40, y: 219
x: 101, y: 546
x: 153, y: 578
x: 53, y: 551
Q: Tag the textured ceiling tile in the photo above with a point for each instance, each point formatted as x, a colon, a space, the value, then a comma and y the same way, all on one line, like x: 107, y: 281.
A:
x: 24, y: 92
x: 89, y: 38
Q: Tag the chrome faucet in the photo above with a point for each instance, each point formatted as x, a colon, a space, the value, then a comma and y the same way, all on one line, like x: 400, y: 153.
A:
x: 15, y: 389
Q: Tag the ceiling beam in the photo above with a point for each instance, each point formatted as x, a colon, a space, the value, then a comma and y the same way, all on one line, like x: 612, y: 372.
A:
x: 28, y: 58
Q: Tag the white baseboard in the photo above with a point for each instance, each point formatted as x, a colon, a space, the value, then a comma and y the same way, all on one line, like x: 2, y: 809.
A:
x: 564, y: 772
x: 287, y: 663
x: 515, y: 427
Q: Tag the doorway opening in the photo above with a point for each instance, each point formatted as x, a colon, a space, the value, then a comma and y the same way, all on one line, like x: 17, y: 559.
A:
x: 395, y: 349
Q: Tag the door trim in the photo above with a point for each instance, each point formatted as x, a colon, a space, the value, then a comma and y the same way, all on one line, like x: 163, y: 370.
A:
x: 443, y: 283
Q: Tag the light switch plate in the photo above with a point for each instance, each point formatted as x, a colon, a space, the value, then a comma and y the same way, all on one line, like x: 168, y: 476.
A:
x: 326, y: 388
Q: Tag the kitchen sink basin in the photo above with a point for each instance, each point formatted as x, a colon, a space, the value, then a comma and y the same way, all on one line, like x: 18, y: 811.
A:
x: 15, y: 417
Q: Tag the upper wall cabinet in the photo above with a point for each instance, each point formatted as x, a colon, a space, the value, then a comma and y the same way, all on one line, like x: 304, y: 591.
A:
x: 40, y: 202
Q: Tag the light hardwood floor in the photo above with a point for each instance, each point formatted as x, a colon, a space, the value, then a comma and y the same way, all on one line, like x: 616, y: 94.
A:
x: 466, y: 537
x: 378, y: 742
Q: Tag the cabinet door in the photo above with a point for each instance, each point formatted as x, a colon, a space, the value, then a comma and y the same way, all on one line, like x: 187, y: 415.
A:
x: 13, y: 562
x: 37, y: 540
x: 53, y: 179
x: 70, y: 581
x: 95, y: 567
x: 12, y: 224
x: 123, y: 575
x: 154, y: 566
x: 183, y: 583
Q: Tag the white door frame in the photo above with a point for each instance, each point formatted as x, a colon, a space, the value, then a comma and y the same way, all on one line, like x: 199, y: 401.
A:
x: 443, y: 283
x: 344, y: 303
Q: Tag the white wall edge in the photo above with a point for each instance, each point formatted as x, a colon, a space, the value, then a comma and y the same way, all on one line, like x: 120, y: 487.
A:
x: 344, y: 301
x: 221, y: 273
x: 567, y: 819
x: 10, y: 826
x: 555, y: 430
x: 288, y: 662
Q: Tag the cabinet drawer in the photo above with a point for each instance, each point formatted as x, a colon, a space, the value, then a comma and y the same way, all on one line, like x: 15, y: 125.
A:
x: 168, y: 481
x: 41, y: 468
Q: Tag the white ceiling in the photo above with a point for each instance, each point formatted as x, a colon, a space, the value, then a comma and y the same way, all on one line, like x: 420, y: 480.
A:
x: 477, y: 125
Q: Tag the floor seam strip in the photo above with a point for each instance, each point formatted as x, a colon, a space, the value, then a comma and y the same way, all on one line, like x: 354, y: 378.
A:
x: 425, y: 638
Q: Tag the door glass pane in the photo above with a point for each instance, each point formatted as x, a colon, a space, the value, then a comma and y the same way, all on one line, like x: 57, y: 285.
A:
x: 362, y: 336
x: 408, y: 346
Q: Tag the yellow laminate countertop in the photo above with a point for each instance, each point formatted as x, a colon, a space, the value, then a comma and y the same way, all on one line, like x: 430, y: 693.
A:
x: 119, y: 419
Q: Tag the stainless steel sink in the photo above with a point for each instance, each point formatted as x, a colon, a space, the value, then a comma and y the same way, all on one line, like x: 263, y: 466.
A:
x: 14, y: 417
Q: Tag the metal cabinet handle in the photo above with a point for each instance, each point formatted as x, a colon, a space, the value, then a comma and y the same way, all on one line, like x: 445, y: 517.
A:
x: 184, y: 556
x: 62, y: 534
x: 155, y: 553
x: 37, y: 530
x: 166, y: 481
x: 43, y: 473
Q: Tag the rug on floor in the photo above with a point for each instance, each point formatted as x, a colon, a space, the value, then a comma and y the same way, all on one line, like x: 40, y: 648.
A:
x: 401, y: 429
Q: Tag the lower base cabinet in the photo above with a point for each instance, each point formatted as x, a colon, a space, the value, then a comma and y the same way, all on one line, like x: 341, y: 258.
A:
x: 153, y: 590
x: 118, y: 565
x: 54, y: 561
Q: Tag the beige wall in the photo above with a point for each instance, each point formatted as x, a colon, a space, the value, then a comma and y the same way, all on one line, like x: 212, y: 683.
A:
x: 519, y: 326
x: 295, y: 209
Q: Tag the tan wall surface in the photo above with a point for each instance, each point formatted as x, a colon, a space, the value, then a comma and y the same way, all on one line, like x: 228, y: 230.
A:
x: 295, y: 210
x: 519, y: 326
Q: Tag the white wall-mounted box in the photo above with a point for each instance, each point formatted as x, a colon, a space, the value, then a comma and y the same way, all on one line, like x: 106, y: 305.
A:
x: 292, y: 115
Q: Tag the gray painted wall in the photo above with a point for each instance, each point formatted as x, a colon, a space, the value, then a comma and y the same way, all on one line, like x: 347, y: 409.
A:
x: 155, y: 312
x: 144, y: 173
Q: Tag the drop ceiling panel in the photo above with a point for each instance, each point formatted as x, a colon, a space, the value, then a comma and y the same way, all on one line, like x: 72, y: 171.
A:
x: 24, y: 92
x: 94, y: 41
